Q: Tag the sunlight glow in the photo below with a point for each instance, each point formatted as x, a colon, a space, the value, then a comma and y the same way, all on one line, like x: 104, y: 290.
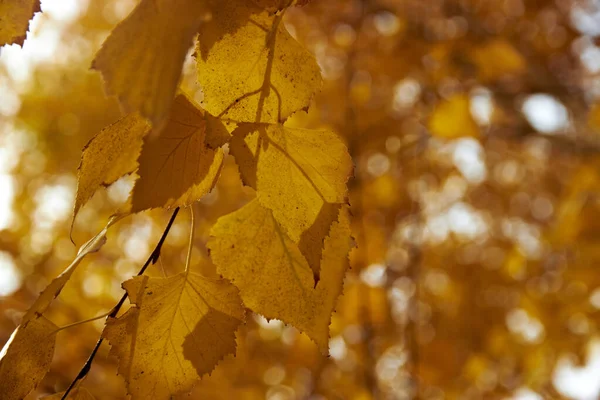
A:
x: 545, y: 113
x: 579, y: 383
x: 10, y: 277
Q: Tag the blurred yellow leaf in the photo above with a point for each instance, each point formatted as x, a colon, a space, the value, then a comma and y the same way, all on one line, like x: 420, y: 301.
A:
x: 250, y: 248
x: 272, y: 76
x: 452, y: 118
x: 497, y: 59
x: 14, y: 19
x: 141, y: 60
x: 179, y: 328
x: 176, y: 167
x: 300, y: 175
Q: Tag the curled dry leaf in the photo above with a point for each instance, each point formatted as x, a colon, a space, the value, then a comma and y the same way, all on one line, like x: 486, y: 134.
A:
x: 26, y: 357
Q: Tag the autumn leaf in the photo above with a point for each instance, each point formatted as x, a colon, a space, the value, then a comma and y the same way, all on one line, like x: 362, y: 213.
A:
x: 54, y: 288
x: 498, y: 59
x: 178, y: 330
x: 110, y: 154
x: 26, y: 357
x: 176, y: 167
x: 452, y: 118
x: 141, y: 60
x: 14, y: 19
x: 251, y: 249
x: 76, y: 394
x: 272, y: 76
x: 299, y: 174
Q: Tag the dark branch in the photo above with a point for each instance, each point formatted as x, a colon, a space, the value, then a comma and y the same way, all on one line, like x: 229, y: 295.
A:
x: 151, y: 260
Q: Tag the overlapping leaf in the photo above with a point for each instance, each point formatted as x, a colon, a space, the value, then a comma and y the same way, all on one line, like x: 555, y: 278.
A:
x: 176, y: 166
x: 141, y: 60
x: 14, y: 19
x: 272, y: 76
x: 174, y: 163
x: 299, y: 174
x: 252, y: 250
x: 178, y: 330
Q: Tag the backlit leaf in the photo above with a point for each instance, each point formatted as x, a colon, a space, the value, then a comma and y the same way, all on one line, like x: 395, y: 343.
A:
x: 26, y: 357
x: 251, y: 249
x: 141, y: 60
x: 272, y: 76
x: 178, y: 330
x: 299, y: 174
x: 176, y: 167
x: 14, y: 19
x: 111, y: 154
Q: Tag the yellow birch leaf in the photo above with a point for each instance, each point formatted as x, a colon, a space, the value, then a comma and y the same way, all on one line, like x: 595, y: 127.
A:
x: 26, y: 357
x: 251, y: 250
x: 111, y: 154
x: 14, y: 19
x: 176, y: 167
x: 179, y: 328
x: 300, y: 175
x: 272, y: 76
x: 452, y: 119
x: 76, y: 394
x: 142, y: 59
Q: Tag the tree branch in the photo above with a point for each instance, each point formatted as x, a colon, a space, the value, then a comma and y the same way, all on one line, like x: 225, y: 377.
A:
x: 151, y: 260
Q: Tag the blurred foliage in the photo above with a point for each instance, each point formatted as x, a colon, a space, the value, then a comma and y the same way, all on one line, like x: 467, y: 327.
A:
x: 474, y: 132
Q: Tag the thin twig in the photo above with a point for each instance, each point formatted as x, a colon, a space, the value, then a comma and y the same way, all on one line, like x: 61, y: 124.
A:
x: 151, y: 260
x: 191, y: 244
x: 81, y: 322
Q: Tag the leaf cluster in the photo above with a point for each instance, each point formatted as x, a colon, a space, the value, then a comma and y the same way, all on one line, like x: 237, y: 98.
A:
x: 282, y: 255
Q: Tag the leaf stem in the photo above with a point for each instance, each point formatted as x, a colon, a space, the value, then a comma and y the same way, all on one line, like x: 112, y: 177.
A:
x: 191, y: 244
x: 82, y: 322
x: 151, y: 260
